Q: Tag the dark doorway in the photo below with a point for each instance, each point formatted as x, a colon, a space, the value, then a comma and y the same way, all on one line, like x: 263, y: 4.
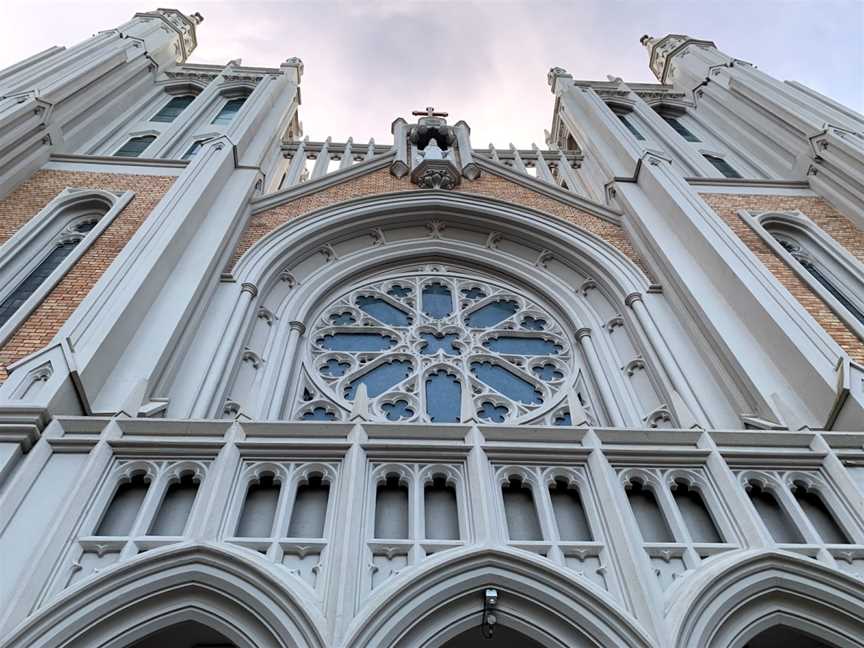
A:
x: 188, y: 634
x: 504, y: 638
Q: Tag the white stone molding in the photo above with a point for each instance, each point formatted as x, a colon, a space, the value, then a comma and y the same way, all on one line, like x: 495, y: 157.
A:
x: 222, y: 588
x: 534, y: 598
x: 750, y: 592
x: 796, y: 228
x: 55, y: 223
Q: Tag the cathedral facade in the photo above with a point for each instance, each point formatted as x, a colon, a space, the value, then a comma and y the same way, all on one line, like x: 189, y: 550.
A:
x: 264, y: 391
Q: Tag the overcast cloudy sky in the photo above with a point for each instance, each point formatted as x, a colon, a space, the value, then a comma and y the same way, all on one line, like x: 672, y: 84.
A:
x: 367, y: 63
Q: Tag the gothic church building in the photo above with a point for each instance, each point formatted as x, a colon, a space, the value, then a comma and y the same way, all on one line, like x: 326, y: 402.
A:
x: 263, y: 391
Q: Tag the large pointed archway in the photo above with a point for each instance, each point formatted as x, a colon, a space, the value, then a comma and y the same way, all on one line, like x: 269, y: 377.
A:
x: 749, y: 596
x: 203, y: 585
x: 443, y: 602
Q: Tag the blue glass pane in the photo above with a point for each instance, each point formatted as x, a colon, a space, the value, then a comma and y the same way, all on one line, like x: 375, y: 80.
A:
x: 563, y: 419
x: 398, y: 410
x: 319, y: 414
x: 434, y: 342
x: 341, y: 319
x: 229, y: 111
x: 172, y: 109
x: 522, y: 346
x: 491, y: 314
x: 399, y: 292
x: 356, y: 342
x: 437, y: 300
x: 506, y: 383
x: 135, y: 146
x: 443, y: 397
x: 548, y: 372
x: 34, y: 280
x: 534, y: 324
x: 383, y: 312
x: 473, y: 293
x: 492, y: 413
x: 380, y: 379
x: 334, y: 368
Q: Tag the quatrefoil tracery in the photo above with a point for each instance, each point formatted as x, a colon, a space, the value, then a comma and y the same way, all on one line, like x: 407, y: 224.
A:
x: 429, y: 346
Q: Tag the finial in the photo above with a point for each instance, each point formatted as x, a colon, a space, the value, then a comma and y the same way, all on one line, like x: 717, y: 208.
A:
x: 554, y: 73
x: 196, y: 18
x: 646, y: 40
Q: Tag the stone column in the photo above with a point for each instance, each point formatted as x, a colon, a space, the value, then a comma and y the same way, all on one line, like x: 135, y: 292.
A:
x: 670, y: 365
x: 609, y: 401
x: 214, y: 381
x: 281, y: 397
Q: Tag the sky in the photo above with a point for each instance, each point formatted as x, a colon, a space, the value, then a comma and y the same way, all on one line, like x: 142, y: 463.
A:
x: 484, y: 62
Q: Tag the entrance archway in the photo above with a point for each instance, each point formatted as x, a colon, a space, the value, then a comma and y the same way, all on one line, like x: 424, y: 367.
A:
x: 782, y: 636
x: 503, y: 638
x: 186, y: 634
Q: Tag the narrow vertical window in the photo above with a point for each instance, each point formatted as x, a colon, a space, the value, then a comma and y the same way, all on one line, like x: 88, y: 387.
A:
x: 27, y: 287
x: 722, y: 166
x: 781, y: 528
x: 310, y: 509
x: 805, y: 258
x: 173, y: 108
x: 441, y: 512
x: 229, y: 111
x: 652, y: 524
x: 391, y: 509
x: 680, y: 128
x: 820, y: 517
x: 259, y: 509
x: 695, y: 513
x: 135, y: 146
x: 176, y: 507
x: 522, y: 521
x: 120, y: 516
x: 631, y: 127
x: 569, y: 512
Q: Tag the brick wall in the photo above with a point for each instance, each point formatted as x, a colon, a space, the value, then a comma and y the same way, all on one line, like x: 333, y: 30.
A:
x: 23, y: 203
x: 382, y: 181
x: 825, y: 216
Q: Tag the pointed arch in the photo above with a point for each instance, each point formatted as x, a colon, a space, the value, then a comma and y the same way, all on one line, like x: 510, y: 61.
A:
x: 750, y: 592
x: 555, y: 236
x: 444, y: 598
x: 208, y: 584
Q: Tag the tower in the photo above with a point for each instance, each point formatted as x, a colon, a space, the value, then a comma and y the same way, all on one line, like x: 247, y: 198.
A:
x: 264, y: 390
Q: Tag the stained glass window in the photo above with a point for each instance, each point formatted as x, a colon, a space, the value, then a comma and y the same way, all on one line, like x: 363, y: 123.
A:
x: 27, y: 287
x: 173, y: 108
x: 440, y: 348
x: 135, y: 146
x: 229, y: 111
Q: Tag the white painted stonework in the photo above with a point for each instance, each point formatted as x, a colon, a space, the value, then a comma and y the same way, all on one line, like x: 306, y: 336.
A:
x: 395, y: 404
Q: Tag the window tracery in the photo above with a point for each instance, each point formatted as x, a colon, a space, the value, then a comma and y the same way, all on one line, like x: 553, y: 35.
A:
x: 425, y: 346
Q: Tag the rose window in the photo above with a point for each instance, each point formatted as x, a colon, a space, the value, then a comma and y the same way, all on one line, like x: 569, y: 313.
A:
x: 434, y: 348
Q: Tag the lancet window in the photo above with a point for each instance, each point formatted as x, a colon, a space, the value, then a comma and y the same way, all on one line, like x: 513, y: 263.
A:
x: 283, y: 510
x: 416, y: 510
x: 800, y: 509
x: 170, y: 111
x: 677, y: 516
x: 550, y: 511
x: 439, y: 348
x: 229, y: 111
x: 135, y: 146
x: 37, y: 252
x: 143, y: 505
x: 841, y: 276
